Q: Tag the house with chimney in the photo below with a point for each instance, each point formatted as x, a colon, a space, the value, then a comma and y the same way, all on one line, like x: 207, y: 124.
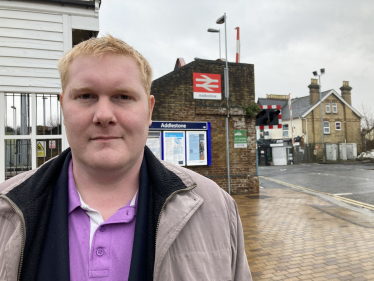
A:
x: 341, y: 126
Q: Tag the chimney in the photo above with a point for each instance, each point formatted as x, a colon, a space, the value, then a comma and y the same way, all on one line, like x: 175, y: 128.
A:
x: 346, y: 92
x: 313, y: 91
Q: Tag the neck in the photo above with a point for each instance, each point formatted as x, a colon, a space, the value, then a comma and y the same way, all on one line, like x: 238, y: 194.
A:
x: 107, y: 191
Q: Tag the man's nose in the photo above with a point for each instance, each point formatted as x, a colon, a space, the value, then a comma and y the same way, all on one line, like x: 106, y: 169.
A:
x: 104, y: 113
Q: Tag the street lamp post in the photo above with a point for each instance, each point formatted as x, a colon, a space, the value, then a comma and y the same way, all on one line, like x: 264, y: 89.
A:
x: 219, y: 32
x: 222, y: 20
x: 315, y: 73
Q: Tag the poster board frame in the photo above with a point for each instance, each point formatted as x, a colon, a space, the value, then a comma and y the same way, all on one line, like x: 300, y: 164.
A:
x: 205, y: 153
x: 166, y: 148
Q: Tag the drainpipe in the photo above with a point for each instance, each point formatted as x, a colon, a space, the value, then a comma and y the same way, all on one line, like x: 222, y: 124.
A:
x: 306, y: 129
x: 306, y: 134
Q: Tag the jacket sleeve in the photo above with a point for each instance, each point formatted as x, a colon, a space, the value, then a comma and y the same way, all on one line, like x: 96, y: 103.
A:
x: 239, y: 263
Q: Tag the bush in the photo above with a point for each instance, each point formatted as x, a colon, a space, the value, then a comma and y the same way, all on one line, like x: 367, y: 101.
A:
x: 252, y: 109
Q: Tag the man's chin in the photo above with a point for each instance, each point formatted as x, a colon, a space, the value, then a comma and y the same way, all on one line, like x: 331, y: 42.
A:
x: 105, y: 167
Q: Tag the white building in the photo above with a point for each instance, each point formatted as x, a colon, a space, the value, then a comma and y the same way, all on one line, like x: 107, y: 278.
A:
x: 33, y: 36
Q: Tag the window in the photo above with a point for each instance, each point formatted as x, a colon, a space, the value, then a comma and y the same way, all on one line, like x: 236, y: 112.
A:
x: 338, y: 126
x: 285, y: 130
x: 328, y: 108
x: 261, y: 134
x: 31, y: 133
x: 334, y: 108
x: 326, y: 127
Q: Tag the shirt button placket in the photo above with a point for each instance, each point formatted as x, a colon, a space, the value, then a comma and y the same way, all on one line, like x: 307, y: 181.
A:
x: 100, y: 251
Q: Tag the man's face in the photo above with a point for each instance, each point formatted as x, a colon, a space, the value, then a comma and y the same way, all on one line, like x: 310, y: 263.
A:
x: 106, y: 112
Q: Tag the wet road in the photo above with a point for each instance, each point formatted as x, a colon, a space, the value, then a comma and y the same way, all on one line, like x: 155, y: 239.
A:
x: 351, y: 181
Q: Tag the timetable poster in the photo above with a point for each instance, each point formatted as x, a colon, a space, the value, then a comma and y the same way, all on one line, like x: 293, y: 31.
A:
x: 154, y: 144
x: 174, y: 147
x: 196, y: 148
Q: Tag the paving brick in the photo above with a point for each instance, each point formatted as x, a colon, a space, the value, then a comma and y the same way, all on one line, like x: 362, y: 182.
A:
x: 286, y: 239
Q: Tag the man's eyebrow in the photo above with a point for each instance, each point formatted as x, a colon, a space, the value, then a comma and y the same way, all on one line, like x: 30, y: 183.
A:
x: 117, y: 90
x: 126, y: 90
x: 81, y: 89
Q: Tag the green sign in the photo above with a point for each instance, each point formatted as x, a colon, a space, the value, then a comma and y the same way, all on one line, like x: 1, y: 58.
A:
x: 240, y: 138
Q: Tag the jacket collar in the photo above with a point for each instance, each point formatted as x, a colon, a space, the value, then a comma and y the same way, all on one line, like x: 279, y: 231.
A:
x: 34, y: 198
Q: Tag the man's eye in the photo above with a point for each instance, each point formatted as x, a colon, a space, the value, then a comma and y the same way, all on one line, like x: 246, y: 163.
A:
x: 124, y: 97
x: 86, y: 96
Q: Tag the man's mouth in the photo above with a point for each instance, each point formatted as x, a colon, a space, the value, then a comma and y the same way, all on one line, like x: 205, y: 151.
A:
x: 104, y: 138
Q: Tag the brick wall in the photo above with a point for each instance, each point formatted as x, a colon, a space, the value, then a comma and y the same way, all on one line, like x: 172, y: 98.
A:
x: 174, y: 102
x: 350, y: 124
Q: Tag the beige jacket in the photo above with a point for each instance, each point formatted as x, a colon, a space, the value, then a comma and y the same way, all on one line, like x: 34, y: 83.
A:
x: 199, y: 236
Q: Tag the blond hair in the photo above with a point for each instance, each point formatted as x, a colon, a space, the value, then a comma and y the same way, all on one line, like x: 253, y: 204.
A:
x: 102, y: 46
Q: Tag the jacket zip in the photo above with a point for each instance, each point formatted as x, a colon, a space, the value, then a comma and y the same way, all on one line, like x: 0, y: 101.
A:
x: 18, y: 211
x: 166, y: 201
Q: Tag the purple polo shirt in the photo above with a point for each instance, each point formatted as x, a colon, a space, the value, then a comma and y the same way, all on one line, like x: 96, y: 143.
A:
x: 106, y: 255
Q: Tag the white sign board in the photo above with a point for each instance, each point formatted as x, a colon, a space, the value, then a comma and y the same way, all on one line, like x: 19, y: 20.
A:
x: 154, y: 144
x: 52, y: 144
x: 196, y: 148
x: 174, y: 147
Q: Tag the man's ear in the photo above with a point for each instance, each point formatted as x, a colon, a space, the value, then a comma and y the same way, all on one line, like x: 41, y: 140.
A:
x: 151, y: 106
x: 60, y: 98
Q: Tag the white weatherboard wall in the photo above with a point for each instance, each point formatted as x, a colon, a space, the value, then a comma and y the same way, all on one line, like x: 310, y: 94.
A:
x: 33, y: 36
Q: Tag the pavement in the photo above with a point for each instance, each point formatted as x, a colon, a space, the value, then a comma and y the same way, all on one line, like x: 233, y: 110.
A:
x: 294, y: 235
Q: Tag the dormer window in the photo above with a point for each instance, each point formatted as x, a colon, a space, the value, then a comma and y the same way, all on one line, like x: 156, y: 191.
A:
x: 328, y: 108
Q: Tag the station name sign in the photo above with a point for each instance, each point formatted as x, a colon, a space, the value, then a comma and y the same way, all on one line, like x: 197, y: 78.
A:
x: 168, y: 125
x: 207, y: 86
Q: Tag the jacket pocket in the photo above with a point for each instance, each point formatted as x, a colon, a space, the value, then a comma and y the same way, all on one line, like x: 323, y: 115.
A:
x: 198, y: 266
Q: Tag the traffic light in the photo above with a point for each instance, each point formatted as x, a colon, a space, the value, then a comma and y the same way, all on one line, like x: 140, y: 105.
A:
x: 268, y: 118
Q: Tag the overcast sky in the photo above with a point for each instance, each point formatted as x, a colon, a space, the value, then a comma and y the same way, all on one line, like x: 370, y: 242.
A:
x: 286, y: 40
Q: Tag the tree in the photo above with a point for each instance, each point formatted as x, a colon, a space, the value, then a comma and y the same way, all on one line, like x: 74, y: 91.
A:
x: 367, y: 127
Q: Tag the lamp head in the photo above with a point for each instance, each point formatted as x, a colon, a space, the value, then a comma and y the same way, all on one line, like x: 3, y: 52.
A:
x: 315, y: 73
x: 322, y: 71
x: 213, y: 30
x: 221, y: 20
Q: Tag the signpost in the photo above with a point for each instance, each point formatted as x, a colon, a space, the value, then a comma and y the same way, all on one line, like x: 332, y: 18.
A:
x: 40, y: 147
x: 52, y: 144
x: 207, y: 86
x: 181, y: 143
x: 240, y: 139
x: 268, y: 118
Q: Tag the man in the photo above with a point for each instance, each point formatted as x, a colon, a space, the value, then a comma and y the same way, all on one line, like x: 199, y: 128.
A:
x: 106, y: 208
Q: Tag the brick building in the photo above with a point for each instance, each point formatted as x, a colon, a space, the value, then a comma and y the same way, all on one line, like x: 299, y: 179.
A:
x: 174, y: 102
x: 341, y: 121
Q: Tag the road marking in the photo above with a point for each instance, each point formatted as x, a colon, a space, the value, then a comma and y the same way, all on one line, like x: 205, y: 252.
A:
x: 261, y: 187
x: 343, y: 199
x: 339, y: 176
x: 339, y: 194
